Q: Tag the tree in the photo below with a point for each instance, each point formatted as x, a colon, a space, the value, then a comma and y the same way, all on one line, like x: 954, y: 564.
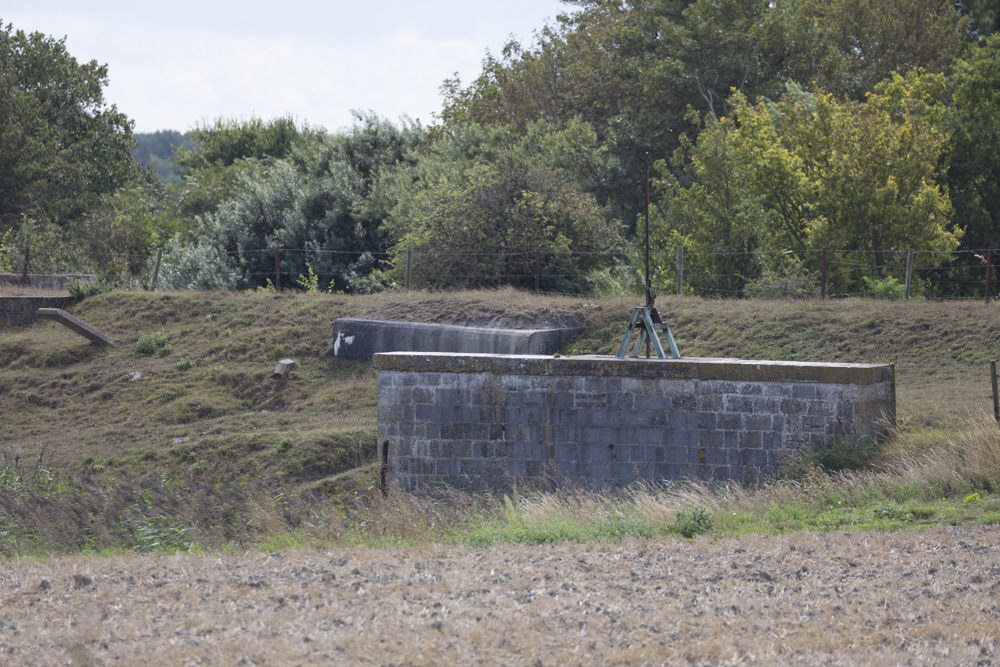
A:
x: 812, y: 171
x: 61, y: 146
x: 974, y: 163
x: 478, y: 215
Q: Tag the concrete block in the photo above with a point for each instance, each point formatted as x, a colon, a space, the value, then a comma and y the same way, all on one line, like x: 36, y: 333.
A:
x: 77, y: 326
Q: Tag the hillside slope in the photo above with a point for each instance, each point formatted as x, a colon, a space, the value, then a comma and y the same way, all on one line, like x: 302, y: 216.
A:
x: 205, y: 401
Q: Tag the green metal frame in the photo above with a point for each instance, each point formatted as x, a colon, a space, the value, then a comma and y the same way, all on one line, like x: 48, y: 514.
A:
x: 647, y: 321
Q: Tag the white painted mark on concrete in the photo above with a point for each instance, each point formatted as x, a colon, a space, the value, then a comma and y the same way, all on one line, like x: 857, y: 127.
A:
x: 348, y: 340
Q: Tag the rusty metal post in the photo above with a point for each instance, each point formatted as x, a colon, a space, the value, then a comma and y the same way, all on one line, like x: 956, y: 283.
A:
x: 996, y: 394
x: 680, y: 270
x: 989, y: 274
x: 909, y: 274
x: 822, y: 276
x: 277, y: 269
x: 538, y: 271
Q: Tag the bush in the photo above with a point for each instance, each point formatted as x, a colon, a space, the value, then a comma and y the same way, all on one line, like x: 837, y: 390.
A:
x: 150, y: 344
x: 689, y: 524
x: 80, y: 290
x: 886, y: 288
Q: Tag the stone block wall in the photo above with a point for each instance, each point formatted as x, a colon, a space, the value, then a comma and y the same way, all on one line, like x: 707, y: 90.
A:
x: 488, y: 421
x: 46, y: 281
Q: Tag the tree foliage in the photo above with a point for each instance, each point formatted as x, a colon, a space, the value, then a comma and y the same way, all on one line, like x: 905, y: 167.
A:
x: 61, y: 146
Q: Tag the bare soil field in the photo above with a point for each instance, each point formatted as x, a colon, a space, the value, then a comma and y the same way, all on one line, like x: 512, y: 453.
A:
x: 903, y: 598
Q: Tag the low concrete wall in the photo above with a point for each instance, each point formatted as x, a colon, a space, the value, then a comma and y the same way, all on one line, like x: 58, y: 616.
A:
x: 486, y: 421
x: 46, y: 281
x: 21, y: 311
x: 355, y: 338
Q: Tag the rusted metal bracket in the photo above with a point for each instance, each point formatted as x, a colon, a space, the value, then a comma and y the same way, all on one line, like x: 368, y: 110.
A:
x: 646, y: 321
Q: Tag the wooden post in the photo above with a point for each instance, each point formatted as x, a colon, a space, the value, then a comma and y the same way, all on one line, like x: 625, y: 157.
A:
x: 989, y: 273
x: 892, y: 392
x: 409, y: 265
x: 538, y: 270
x: 822, y: 276
x: 27, y: 260
x: 909, y: 273
x: 277, y: 269
x: 996, y: 396
x: 680, y: 270
x: 156, y: 270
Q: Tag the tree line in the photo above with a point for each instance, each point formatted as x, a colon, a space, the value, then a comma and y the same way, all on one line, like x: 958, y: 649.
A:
x: 867, y: 126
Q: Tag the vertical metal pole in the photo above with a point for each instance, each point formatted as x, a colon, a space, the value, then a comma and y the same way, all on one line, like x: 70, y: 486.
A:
x: 156, y: 270
x: 909, y: 273
x: 409, y: 264
x: 277, y: 269
x: 996, y: 395
x: 680, y: 270
x: 27, y: 260
x: 989, y: 274
x: 538, y: 270
x: 822, y: 276
x: 649, y: 292
x: 892, y: 392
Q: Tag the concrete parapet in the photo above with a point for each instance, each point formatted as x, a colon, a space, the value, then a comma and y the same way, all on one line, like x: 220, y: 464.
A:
x: 46, y: 281
x: 21, y: 311
x: 355, y: 338
x: 488, y: 421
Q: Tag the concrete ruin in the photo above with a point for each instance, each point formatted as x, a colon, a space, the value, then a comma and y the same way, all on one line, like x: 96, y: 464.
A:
x: 486, y: 421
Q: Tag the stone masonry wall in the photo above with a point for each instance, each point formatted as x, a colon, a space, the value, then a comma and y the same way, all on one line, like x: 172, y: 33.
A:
x: 488, y: 421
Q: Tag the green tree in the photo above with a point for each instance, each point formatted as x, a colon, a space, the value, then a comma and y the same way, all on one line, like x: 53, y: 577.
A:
x: 812, y: 171
x: 61, y: 146
x: 974, y: 162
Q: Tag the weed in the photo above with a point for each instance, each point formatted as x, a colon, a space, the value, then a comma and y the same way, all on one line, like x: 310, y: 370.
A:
x: 184, y: 363
x: 80, y: 290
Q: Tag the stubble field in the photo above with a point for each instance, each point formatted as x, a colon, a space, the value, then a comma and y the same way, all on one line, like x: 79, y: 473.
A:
x: 837, y: 599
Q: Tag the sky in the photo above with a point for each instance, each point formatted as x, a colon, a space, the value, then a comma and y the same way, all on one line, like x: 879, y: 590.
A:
x: 175, y: 65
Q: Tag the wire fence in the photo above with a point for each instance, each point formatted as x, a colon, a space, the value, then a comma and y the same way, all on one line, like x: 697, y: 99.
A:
x: 832, y: 273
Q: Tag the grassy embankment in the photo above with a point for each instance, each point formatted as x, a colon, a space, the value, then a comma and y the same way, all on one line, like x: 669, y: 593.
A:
x: 180, y: 440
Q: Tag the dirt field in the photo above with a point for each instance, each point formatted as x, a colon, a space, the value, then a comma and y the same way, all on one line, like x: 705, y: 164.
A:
x: 839, y: 599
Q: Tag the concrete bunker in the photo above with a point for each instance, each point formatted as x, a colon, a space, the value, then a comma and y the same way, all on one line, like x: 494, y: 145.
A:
x: 487, y: 421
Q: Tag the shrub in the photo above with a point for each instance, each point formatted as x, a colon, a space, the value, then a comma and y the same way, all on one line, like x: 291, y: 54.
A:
x: 150, y: 344
x: 696, y: 522
x: 80, y: 290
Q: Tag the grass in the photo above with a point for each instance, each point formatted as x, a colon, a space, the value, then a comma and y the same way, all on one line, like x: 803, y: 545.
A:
x: 179, y: 440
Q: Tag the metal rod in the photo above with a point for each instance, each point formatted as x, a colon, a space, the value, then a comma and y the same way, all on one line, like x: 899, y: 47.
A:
x: 277, y: 269
x: 822, y: 276
x: 996, y: 395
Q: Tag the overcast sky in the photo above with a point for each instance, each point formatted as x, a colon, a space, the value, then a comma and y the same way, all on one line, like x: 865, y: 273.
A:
x: 175, y: 64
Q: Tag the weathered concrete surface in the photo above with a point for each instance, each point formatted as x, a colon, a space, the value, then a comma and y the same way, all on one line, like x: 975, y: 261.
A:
x: 22, y: 311
x: 356, y: 338
x: 486, y: 421
x: 77, y: 325
x: 55, y: 282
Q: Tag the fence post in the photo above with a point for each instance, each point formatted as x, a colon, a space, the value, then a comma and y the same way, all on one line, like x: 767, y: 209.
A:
x: 156, y: 270
x: 538, y: 271
x: 277, y: 269
x: 680, y: 270
x: 909, y: 274
x: 989, y: 273
x: 996, y: 396
x: 409, y: 265
x: 822, y: 276
x: 27, y: 259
